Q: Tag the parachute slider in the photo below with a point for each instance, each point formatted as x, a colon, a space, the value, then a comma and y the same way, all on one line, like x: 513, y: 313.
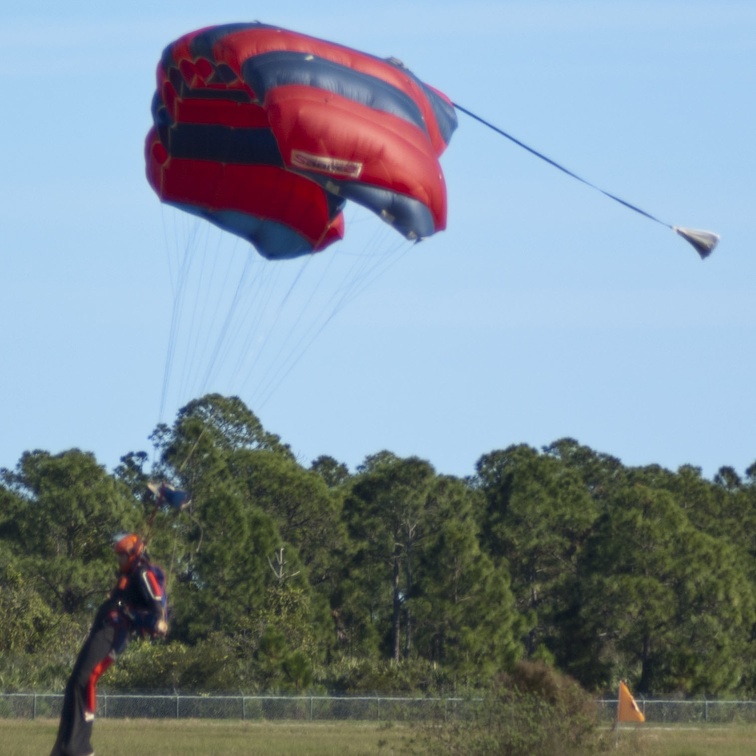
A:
x: 167, y: 494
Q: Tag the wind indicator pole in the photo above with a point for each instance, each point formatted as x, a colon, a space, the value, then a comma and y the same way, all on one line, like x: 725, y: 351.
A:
x: 703, y: 242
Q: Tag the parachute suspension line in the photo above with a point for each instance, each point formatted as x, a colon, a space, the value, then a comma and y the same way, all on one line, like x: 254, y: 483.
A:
x: 703, y: 242
x: 255, y: 336
x: 153, y: 514
x: 195, y: 444
x: 261, y: 321
x: 367, y: 268
x: 227, y: 321
x: 251, y: 323
x: 227, y: 324
x: 201, y: 317
x: 284, y: 364
x: 178, y: 302
x: 375, y: 265
x: 278, y: 318
x: 167, y: 246
x: 173, y: 264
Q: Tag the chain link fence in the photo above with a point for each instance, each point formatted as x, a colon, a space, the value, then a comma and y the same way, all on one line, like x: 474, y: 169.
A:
x: 333, y: 708
x: 688, y: 712
x: 293, y: 708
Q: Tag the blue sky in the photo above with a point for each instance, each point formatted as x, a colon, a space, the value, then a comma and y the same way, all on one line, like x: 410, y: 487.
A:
x: 543, y: 311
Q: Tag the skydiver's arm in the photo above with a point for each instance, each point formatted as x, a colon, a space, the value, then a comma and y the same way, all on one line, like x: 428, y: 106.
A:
x: 153, y: 592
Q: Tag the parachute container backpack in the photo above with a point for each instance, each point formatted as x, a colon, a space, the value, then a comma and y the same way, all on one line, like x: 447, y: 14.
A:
x: 266, y: 133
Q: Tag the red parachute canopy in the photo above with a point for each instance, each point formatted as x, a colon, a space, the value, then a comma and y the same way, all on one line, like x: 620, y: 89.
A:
x: 266, y: 133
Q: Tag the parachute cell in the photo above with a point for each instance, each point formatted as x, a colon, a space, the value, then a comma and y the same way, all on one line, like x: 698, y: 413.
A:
x: 267, y: 132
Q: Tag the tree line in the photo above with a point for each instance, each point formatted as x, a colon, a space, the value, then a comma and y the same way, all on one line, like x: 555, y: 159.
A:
x: 391, y: 577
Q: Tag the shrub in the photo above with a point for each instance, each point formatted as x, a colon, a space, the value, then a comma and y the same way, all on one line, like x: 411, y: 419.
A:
x: 532, y: 711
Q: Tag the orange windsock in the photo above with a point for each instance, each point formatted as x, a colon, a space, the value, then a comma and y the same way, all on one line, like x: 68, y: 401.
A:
x: 628, y: 710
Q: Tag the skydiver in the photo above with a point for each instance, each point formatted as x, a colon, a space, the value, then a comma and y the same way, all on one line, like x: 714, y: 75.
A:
x: 136, y: 606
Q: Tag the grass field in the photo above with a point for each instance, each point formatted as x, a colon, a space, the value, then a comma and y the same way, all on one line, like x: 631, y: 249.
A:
x: 195, y: 737
x: 124, y: 737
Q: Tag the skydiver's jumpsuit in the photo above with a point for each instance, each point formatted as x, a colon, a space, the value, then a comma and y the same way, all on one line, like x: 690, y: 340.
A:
x: 135, y: 605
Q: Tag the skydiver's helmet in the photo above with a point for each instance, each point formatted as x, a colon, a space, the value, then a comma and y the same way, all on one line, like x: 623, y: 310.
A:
x: 128, y: 549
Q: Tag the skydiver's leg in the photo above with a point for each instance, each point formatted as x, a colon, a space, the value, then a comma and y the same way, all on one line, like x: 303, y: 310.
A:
x: 77, y: 714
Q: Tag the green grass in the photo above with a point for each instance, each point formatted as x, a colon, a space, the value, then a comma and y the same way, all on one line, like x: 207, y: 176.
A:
x: 193, y: 737
x: 126, y: 737
x: 686, y: 740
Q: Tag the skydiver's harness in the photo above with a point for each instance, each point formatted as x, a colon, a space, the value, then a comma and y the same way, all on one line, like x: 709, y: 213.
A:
x: 137, y: 603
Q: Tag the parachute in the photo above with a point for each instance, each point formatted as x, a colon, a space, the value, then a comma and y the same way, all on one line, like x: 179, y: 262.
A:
x: 266, y: 133
x: 270, y: 134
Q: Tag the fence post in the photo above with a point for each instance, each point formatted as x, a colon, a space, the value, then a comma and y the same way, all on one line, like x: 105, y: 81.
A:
x: 177, y: 706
